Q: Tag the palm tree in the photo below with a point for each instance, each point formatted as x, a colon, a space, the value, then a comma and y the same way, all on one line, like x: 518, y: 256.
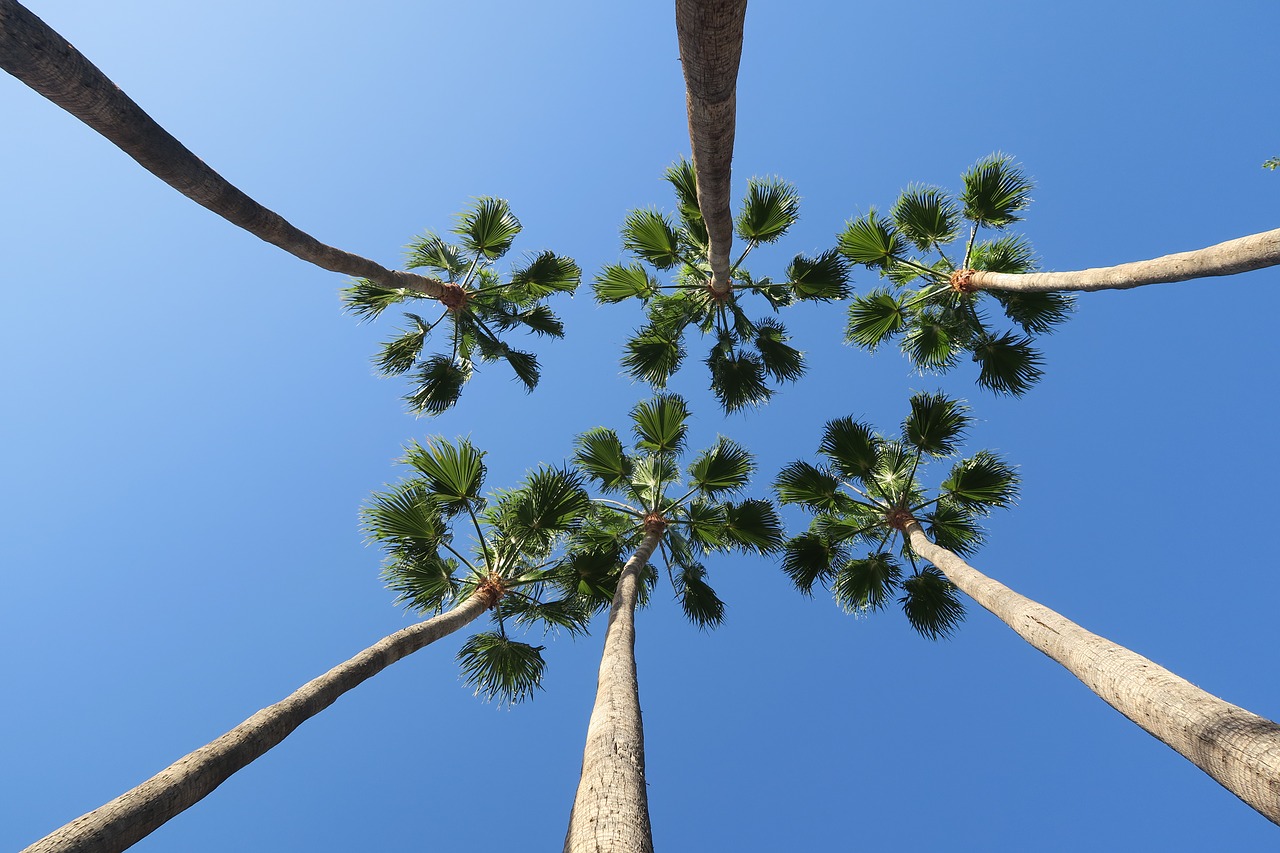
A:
x: 710, y: 36
x: 513, y: 555
x: 478, y: 304
x: 867, y: 495
x: 746, y: 354
x: 34, y: 53
x: 937, y: 318
x: 610, y: 810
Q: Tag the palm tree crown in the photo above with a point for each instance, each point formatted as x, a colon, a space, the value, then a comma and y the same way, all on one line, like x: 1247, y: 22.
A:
x: 745, y: 354
x: 695, y: 515
x: 513, y: 553
x: 478, y: 304
x: 922, y: 248
x: 868, y: 489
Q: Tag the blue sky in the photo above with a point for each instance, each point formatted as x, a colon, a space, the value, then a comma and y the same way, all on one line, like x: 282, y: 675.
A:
x: 191, y: 423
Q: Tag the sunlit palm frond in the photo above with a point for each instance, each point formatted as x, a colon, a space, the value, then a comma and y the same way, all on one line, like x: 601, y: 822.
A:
x: 769, y: 210
x: 367, y: 300
x: 571, y: 614
x: 650, y: 477
x: 982, y: 482
x: 545, y: 274
x: 599, y: 454
x: 875, y: 317
x: 1010, y: 253
x: 500, y: 668
x: 722, y: 469
x: 866, y: 584
x: 550, y: 502
x: 932, y: 604
x: 682, y: 177
x: 651, y: 235
x: 822, y: 279
x: 931, y: 341
x: 871, y: 241
x: 995, y: 191
x: 653, y: 356
x: 452, y: 472
x: 406, y: 518
x: 616, y: 283
x: 660, y: 424
x: 488, y: 227
x: 431, y: 252
x: 926, y: 216
x: 936, y: 424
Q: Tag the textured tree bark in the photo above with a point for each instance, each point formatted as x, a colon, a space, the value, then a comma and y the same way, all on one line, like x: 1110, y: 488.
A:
x: 611, y: 810
x: 1239, y: 749
x: 710, y: 35
x: 138, y: 812
x: 34, y: 53
x: 1255, y: 252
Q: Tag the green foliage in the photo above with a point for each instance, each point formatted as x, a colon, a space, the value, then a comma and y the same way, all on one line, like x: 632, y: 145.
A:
x: 500, y: 668
x: 1272, y: 163
x: 867, y: 492
x: 747, y: 358
x: 920, y: 245
x: 477, y: 306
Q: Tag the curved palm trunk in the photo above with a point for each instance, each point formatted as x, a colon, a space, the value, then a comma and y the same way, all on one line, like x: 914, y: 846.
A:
x: 34, y: 53
x: 137, y: 813
x: 710, y: 35
x: 1255, y: 252
x: 1240, y: 750
x: 611, y: 810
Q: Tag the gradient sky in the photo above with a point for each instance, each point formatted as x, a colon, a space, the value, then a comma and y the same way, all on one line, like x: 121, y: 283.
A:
x: 191, y: 423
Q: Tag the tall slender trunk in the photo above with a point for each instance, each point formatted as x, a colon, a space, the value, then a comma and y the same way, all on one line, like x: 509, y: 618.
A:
x: 137, y: 813
x: 710, y: 35
x: 1254, y: 252
x: 1239, y: 749
x: 34, y: 53
x: 611, y: 809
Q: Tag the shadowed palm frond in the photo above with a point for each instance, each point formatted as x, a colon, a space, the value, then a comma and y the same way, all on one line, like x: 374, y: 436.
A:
x: 367, y: 300
x: 1036, y: 312
x: 926, y: 216
x: 936, y: 424
x: 698, y: 600
x: 810, y: 559
x: 653, y: 356
x: 737, y: 378
x: 400, y: 354
x: 981, y: 482
x: 866, y: 584
x: 439, y: 382
x: 783, y: 362
x: 753, y: 526
x: 545, y: 274
x: 1009, y: 363
x: 851, y: 446
x: 822, y: 279
x: 722, y: 469
x: 501, y: 669
x: 424, y: 583
x: 932, y: 604
x: 660, y: 424
x: 876, y: 317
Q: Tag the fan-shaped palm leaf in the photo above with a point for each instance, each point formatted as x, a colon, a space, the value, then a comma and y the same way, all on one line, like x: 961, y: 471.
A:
x: 936, y: 424
x: 824, y: 278
x: 488, y: 228
x: 500, y: 668
x: 545, y: 274
x: 851, y: 446
x: 439, y: 383
x: 802, y: 483
x: 1009, y: 253
x: 698, y: 600
x: 872, y: 241
x: 425, y: 583
x: 737, y: 378
x: 453, y: 473
x: 723, y: 468
x: 1035, y: 312
x: 653, y: 356
x: 399, y: 354
x: 932, y: 604
x: 926, y: 216
x: 866, y: 584
x: 599, y: 454
x: 753, y: 526
x: 616, y: 283
x: 783, y: 362
x: 1009, y: 363
x: 995, y: 190
x: 433, y: 253
x: 651, y: 235
x: 953, y: 527
x: 875, y: 317
x: 809, y: 559
x: 931, y: 343
x: 367, y: 300
x: 660, y: 424
x: 981, y: 482
x: 770, y: 208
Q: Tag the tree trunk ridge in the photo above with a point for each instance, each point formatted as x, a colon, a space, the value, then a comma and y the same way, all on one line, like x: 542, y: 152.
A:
x: 710, y: 36
x: 1243, y: 254
x: 139, y: 811
x: 34, y: 53
x: 1238, y: 748
x: 611, y: 808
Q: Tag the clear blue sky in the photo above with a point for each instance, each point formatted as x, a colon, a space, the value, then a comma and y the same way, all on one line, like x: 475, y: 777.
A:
x: 191, y: 424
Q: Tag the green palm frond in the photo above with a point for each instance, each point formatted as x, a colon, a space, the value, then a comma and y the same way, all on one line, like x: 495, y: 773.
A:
x: 488, y: 227
x: 1010, y: 253
x: 753, y: 526
x: 953, y: 527
x: 926, y: 216
x: 433, y: 253
x: 660, y: 424
x: 407, y: 519
x: 651, y: 235
x: 616, y: 283
x: 1036, y: 313
x: 981, y: 482
x: 653, y: 356
x: 544, y: 275
x: 599, y: 454
x: 572, y: 614
x: 932, y: 604
x: 769, y: 210
x: 704, y: 523
x: 698, y: 600
x: 852, y: 447
x: 810, y: 559
x: 400, y: 354
x: 737, y: 378
x: 367, y: 300
x: 936, y: 424
x: 931, y: 342
x: 851, y: 522
x: 1009, y: 363
x: 538, y: 319
x: 684, y: 180
x: 812, y: 487
x: 439, y: 382
x: 722, y: 469
x: 822, y: 279
x: 425, y: 583
x: 875, y: 317
x: 892, y: 476
x: 783, y: 362
x: 650, y: 476
x: 452, y: 472
x: 550, y: 502
x: 525, y: 365
x: 501, y: 669
x: 995, y: 191
x: 866, y: 584
x: 871, y: 241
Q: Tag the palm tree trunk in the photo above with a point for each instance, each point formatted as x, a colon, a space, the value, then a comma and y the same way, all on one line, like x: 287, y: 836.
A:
x: 137, y: 813
x: 1240, y: 750
x: 611, y: 810
x: 1255, y: 252
x: 34, y: 53
x: 710, y: 35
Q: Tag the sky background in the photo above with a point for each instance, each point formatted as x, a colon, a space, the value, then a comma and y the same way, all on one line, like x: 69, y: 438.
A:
x: 191, y: 423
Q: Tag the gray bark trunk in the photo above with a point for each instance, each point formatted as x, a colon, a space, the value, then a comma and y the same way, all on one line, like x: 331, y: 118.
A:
x: 1255, y: 252
x: 710, y: 35
x: 611, y: 809
x: 34, y: 53
x: 135, y: 814
x: 1239, y: 749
